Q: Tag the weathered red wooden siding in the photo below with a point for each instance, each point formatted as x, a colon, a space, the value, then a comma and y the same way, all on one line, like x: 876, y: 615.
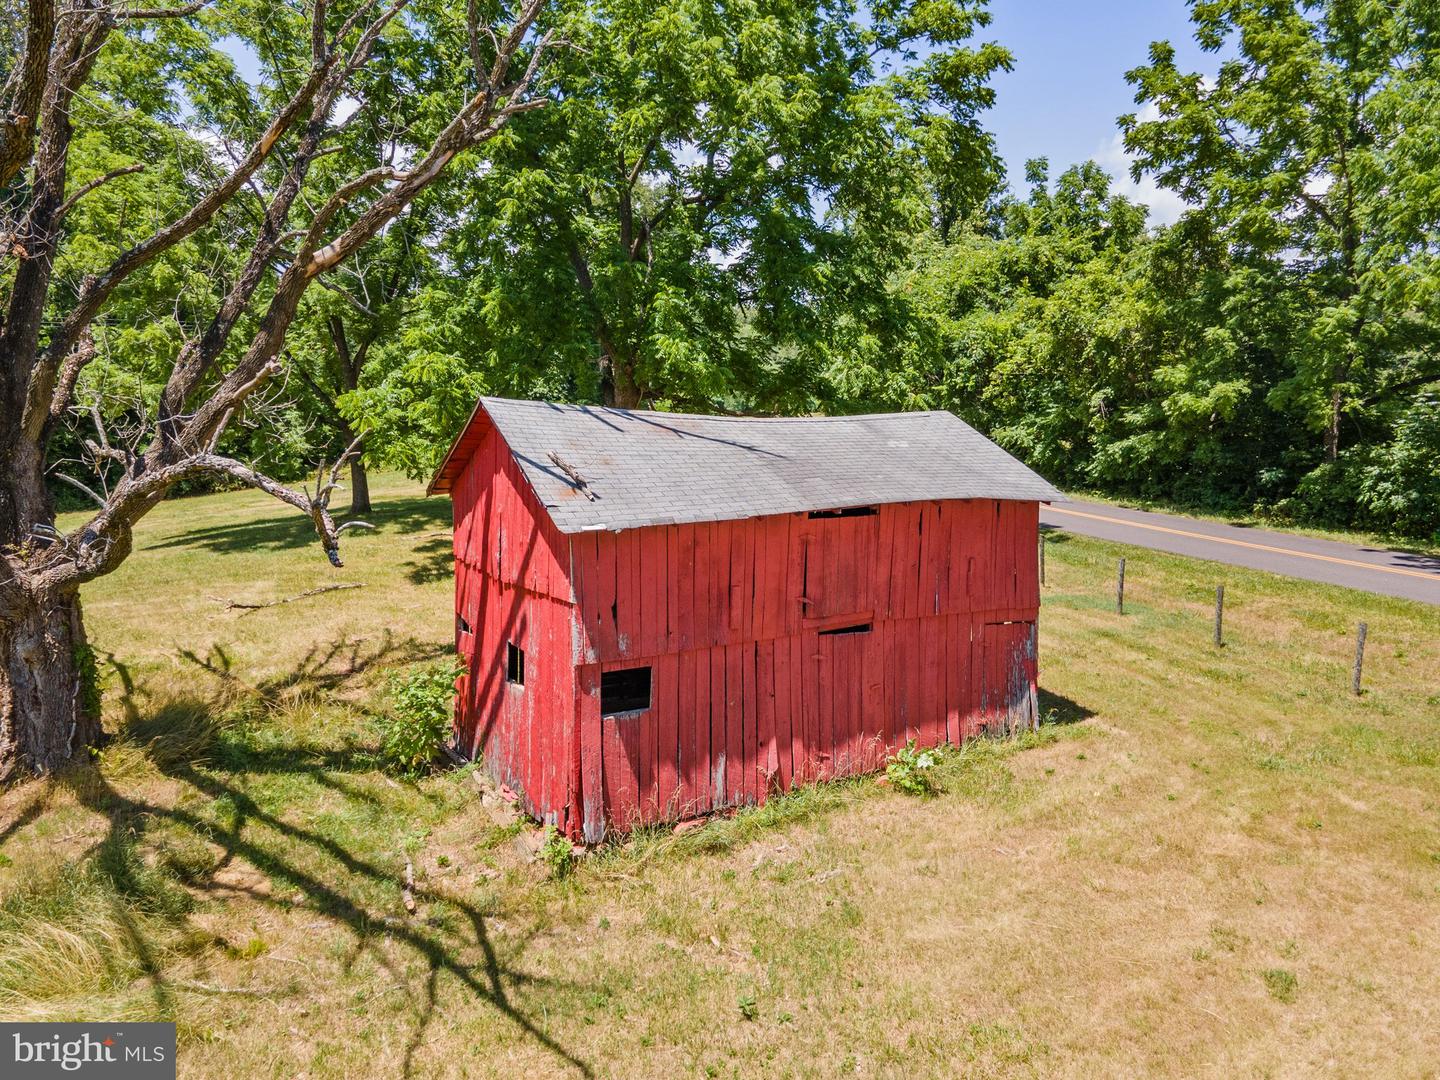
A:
x: 669, y: 588
x: 749, y: 694
x: 513, y: 585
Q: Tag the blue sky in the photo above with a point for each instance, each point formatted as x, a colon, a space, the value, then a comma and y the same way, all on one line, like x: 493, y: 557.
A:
x: 1069, y: 84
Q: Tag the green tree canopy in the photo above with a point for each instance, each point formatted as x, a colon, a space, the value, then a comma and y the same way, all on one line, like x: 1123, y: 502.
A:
x: 711, y: 214
x: 1310, y: 156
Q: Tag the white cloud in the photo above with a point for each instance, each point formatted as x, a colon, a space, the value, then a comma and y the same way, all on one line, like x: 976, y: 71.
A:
x: 1165, y: 206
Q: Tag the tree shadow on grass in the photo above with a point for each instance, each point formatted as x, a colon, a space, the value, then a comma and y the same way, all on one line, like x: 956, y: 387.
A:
x: 287, y: 529
x: 443, y: 951
x: 434, y: 559
x: 326, y: 666
x: 223, y: 770
x: 1056, y: 709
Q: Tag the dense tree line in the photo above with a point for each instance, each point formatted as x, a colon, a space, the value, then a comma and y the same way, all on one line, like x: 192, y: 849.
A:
x: 812, y: 222
x: 795, y: 207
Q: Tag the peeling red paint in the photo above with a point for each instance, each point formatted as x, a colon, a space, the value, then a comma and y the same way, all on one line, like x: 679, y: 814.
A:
x: 752, y: 688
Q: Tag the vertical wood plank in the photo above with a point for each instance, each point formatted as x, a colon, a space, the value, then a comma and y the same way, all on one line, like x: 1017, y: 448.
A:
x: 768, y: 567
x: 607, y: 580
x: 667, y: 746
x: 734, y: 725
x: 792, y: 753
x: 717, y: 753
x: 795, y: 601
x: 750, y: 727
x: 932, y: 723
x: 707, y: 585
x: 844, y: 692
x: 685, y: 734
x: 592, y: 793
x: 950, y: 627
x: 873, y: 711
x: 675, y: 589
x: 825, y: 701
x: 769, y: 756
x: 687, y: 582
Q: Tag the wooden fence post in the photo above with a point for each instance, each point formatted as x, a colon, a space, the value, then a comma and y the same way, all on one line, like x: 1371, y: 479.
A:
x: 1120, y: 588
x: 1042, y: 558
x: 1359, y: 658
x: 1219, y: 614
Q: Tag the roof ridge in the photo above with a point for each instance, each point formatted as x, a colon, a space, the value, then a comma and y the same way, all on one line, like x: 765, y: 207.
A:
x: 718, y: 417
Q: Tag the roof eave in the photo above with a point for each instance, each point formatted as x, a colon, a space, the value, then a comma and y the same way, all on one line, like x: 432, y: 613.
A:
x: 457, y: 455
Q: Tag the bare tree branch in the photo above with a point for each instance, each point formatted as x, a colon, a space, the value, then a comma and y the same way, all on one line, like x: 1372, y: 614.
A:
x: 72, y: 58
x: 161, y: 13
x: 196, y: 403
x: 66, y: 206
x: 20, y: 98
x: 98, y: 289
x: 77, y: 484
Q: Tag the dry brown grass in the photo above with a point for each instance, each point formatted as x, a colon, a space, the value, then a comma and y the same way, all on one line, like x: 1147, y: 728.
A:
x: 1215, y: 862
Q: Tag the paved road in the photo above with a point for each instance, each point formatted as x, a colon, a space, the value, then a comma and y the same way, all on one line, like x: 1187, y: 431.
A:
x: 1374, y: 569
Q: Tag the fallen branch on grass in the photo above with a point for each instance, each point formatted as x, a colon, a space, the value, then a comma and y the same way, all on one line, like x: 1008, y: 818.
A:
x: 206, y: 988
x: 232, y: 605
x: 407, y: 890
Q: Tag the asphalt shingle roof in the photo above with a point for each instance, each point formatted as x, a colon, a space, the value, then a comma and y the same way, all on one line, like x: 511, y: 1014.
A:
x: 653, y: 468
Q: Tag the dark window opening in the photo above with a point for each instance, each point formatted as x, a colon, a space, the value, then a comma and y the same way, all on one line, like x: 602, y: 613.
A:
x: 857, y: 628
x: 463, y: 626
x: 514, y: 664
x: 627, y: 690
x: 846, y: 512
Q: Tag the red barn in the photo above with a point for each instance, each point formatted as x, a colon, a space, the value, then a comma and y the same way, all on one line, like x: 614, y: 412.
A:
x: 663, y: 615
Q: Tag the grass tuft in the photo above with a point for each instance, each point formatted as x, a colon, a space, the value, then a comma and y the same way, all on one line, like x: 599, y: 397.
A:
x: 1282, y: 984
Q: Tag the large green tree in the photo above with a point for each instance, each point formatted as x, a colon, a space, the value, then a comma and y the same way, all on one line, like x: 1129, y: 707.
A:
x: 1310, y: 154
x: 711, y: 214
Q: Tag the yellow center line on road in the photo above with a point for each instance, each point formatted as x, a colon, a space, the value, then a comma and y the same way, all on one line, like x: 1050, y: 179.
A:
x: 1423, y: 575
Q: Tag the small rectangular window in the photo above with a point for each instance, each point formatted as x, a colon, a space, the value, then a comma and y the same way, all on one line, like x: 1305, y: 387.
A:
x: 627, y: 690
x: 857, y: 628
x: 514, y: 664
x: 846, y: 512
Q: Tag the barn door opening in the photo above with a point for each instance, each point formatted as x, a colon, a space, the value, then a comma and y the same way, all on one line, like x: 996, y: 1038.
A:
x: 627, y: 745
x: 1008, y: 696
x: 845, y: 734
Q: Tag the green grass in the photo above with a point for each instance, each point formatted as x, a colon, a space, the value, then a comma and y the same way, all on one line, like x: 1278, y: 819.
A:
x: 1210, y: 861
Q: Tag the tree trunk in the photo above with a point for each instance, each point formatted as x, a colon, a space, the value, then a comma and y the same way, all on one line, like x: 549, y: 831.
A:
x: 618, y: 387
x: 359, y: 478
x: 49, y: 703
x: 1332, y: 428
x: 359, y: 487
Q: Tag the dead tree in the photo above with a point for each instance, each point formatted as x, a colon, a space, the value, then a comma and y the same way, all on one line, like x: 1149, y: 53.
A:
x: 47, y: 710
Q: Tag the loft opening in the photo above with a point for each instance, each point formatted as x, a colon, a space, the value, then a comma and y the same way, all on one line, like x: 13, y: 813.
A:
x: 854, y: 628
x: 625, y: 690
x: 514, y: 664
x: 845, y: 512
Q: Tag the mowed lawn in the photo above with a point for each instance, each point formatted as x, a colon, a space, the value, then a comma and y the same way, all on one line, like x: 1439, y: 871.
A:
x: 1209, y: 861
